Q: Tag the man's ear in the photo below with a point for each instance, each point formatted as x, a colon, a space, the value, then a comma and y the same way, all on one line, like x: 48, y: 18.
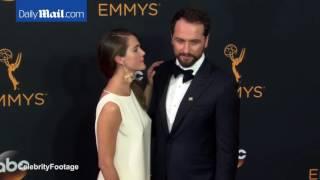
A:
x: 207, y: 41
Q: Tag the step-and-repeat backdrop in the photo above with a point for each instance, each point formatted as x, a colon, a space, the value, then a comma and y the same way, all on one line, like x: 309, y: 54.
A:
x: 50, y: 82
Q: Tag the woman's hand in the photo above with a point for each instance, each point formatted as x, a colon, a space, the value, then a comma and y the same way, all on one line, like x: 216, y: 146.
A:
x: 151, y: 72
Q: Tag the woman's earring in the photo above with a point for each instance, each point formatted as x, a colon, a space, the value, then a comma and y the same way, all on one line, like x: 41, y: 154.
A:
x: 138, y: 75
x: 128, y: 76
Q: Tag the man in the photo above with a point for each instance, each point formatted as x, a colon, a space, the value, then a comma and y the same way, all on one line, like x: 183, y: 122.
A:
x: 194, y: 108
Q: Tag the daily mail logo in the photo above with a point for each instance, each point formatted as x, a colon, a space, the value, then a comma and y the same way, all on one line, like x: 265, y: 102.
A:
x: 51, y: 11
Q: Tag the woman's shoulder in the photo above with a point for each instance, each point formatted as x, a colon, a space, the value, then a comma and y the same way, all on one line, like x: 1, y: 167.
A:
x: 108, y: 100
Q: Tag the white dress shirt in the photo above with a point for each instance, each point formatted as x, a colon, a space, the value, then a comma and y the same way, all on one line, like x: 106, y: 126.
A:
x: 177, y: 89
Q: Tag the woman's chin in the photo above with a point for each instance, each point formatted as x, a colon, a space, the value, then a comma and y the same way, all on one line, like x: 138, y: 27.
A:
x: 142, y: 68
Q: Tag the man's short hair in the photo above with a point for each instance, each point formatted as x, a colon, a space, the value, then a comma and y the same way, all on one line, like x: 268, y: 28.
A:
x: 192, y: 16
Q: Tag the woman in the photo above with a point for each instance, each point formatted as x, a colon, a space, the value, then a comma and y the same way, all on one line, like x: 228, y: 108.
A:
x: 122, y: 126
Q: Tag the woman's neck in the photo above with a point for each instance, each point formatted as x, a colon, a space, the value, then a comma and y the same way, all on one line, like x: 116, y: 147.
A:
x: 117, y: 84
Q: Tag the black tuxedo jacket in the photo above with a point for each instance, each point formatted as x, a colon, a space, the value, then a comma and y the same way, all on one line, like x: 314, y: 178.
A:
x: 203, y: 142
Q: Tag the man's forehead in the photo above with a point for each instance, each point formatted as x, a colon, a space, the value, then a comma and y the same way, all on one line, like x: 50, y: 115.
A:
x: 188, y: 36
x: 184, y: 27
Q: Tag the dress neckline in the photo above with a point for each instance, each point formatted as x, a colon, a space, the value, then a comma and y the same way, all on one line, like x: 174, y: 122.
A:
x: 118, y: 94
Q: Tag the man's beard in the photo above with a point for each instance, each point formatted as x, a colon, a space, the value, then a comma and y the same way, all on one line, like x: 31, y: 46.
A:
x: 187, y: 64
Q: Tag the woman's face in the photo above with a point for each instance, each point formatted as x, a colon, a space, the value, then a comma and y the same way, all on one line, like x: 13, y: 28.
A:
x: 134, y: 58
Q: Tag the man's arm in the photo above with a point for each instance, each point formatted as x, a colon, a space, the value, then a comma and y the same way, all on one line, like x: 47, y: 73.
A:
x: 227, y: 132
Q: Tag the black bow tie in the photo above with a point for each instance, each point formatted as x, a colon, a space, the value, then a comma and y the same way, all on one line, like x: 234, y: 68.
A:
x: 187, y: 74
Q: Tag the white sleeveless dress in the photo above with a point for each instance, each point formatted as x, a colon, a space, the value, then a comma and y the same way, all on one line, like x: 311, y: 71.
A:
x: 132, y: 155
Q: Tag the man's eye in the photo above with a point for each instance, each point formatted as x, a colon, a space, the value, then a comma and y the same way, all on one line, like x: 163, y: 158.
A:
x: 194, y: 42
x: 179, y: 40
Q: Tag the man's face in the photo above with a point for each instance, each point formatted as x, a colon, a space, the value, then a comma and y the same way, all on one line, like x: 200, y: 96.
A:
x: 188, y: 42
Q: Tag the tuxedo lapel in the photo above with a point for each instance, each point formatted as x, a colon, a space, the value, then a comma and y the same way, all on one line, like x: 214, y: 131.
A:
x: 197, y: 86
x: 164, y: 85
x: 163, y: 112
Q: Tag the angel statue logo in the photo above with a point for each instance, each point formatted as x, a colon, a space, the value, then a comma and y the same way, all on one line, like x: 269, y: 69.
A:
x: 16, y: 96
x: 231, y: 52
x: 12, y: 64
x: 247, y: 88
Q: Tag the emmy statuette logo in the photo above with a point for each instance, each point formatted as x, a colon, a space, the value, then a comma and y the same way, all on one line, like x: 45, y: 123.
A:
x: 246, y: 88
x: 16, y: 96
x: 231, y: 51
x: 12, y: 64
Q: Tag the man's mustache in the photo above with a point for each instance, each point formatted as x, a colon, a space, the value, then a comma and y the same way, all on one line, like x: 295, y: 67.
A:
x: 187, y: 55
